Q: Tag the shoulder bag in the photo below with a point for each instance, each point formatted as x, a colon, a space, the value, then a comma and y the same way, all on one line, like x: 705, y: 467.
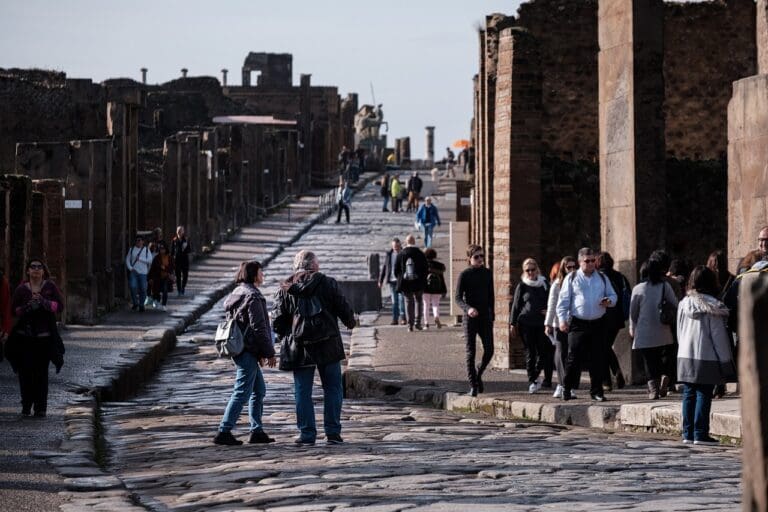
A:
x: 667, y: 312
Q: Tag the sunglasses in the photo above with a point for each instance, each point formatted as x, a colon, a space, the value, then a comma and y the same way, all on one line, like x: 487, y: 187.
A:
x: 530, y: 270
x: 36, y: 266
x: 589, y: 260
x: 570, y: 267
x: 478, y: 256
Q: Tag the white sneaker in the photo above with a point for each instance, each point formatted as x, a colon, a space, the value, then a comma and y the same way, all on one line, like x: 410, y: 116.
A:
x: 538, y: 384
x: 163, y: 308
x: 558, y: 392
x: 532, y: 388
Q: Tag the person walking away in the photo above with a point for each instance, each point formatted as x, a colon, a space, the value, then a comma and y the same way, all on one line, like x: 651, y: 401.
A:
x: 248, y: 307
x: 435, y: 288
x: 474, y: 295
x: 581, y: 306
x: 428, y: 216
x: 414, y: 187
x: 526, y: 318
x: 385, y: 192
x: 411, y: 274
x: 395, y: 190
x: 704, y: 356
x: 310, y: 287
x: 180, y: 251
x: 344, y: 198
x: 450, y: 160
x: 388, y: 275
x: 615, y: 319
x: 551, y: 326
x: 35, y: 342
x: 137, y: 262
x: 649, y: 336
x: 161, y: 275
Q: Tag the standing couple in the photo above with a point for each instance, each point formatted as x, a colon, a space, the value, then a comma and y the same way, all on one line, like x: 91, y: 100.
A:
x: 309, y: 299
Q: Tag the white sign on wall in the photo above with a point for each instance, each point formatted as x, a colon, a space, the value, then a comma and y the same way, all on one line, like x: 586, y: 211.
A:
x: 73, y: 204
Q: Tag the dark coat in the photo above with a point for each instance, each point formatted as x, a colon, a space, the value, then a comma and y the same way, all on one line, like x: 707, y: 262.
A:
x: 156, y: 270
x: 249, y: 307
x: 179, y: 252
x: 614, y: 316
x: 310, y: 284
x: 436, y: 286
x: 420, y: 261
x: 386, y: 268
x: 528, y: 304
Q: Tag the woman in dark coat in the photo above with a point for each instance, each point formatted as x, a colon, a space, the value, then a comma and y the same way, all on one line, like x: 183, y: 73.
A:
x: 435, y: 288
x: 161, y: 275
x: 249, y: 308
x: 35, y: 342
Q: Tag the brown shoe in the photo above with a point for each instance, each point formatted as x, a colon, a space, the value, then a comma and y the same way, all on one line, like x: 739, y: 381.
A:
x: 437, y: 323
x: 664, y: 386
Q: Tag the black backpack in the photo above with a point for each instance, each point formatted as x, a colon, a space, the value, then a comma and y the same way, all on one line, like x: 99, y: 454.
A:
x: 409, y: 270
x: 312, y: 323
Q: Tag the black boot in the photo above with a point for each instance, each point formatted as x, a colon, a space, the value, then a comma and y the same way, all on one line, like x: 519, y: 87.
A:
x: 260, y: 437
x: 226, y: 439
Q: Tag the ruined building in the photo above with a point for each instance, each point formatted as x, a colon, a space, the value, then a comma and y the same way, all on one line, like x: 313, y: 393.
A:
x: 604, y: 123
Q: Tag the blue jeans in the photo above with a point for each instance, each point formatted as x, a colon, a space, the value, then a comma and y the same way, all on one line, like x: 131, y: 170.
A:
x: 249, y: 383
x: 333, y: 394
x: 138, y: 285
x: 386, y: 202
x: 398, y: 302
x: 428, y: 228
x: 697, y: 402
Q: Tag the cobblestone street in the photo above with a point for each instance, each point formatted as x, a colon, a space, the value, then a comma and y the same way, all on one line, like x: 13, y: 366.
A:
x: 397, y: 456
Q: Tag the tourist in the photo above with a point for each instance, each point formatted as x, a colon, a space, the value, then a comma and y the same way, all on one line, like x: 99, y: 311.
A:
x: 649, y: 336
x: 309, y: 284
x: 344, y: 199
x: 718, y: 263
x: 137, y: 262
x: 414, y: 187
x: 343, y: 159
x: 581, y: 306
x: 704, y: 357
x: 526, y: 318
x: 161, y: 276
x: 395, y: 190
x: 180, y: 251
x: 385, y: 192
x: 666, y: 263
x: 388, y: 275
x: 615, y: 319
x: 428, y: 217
x: 551, y: 326
x: 474, y: 295
x: 435, y: 288
x: 360, y: 155
x: 248, y: 307
x: 35, y: 342
x: 450, y: 160
x: 679, y: 271
x: 411, y: 274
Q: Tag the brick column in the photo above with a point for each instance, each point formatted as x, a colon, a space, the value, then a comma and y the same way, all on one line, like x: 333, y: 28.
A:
x: 55, y: 243
x: 516, y: 208
x: 632, y: 155
x: 18, y: 225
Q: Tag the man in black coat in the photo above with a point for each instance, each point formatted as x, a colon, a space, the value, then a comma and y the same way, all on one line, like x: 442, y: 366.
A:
x: 387, y: 275
x: 308, y: 283
x: 411, y: 271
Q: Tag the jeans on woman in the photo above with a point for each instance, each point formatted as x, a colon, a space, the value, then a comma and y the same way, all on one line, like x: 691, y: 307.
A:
x: 138, y: 284
x: 697, y: 402
x: 333, y: 394
x: 249, y: 386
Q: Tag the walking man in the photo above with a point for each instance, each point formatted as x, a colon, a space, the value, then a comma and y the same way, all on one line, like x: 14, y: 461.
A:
x: 581, y: 306
x: 428, y: 217
x: 137, y: 261
x: 312, y: 300
x: 344, y: 197
x: 387, y: 275
x: 411, y: 272
x: 180, y: 250
x: 474, y: 295
x: 415, y: 185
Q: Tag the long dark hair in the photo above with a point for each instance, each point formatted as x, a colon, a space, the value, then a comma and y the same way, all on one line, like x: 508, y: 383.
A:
x: 655, y: 271
x: 704, y: 280
x: 247, y: 272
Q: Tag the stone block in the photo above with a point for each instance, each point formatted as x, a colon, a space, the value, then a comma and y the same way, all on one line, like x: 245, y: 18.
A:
x: 363, y: 295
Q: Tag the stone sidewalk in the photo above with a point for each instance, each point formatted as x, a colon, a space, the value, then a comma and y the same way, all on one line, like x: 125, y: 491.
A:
x: 112, y: 360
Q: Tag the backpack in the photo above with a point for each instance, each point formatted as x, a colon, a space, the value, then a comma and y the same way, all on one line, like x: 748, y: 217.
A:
x: 433, y: 281
x: 410, y: 273
x: 312, y: 323
x: 230, y: 340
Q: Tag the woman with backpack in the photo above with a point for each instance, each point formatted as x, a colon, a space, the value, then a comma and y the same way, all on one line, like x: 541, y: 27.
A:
x: 248, y: 307
x: 526, y: 318
x: 435, y: 289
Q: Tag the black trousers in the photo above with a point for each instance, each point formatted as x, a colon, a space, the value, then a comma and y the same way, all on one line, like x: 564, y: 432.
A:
x: 160, y: 290
x: 413, y: 309
x: 611, y: 362
x: 33, y: 374
x: 346, y: 210
x: 586, y: 341
x: 654, y: 361
x: 538, y: 352
x: 182, y: 274
x: 474, y: 327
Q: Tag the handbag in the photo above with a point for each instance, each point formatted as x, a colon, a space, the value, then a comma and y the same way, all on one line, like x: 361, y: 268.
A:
x: 667, y: 311
x: 230, y: 340
x: 291, y: 354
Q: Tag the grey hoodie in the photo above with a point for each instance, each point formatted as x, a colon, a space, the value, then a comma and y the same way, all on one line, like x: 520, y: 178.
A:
x: 249, y: 307
x: 704, y: 355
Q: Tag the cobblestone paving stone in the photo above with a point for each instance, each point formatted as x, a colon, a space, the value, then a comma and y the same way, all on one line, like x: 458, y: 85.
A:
x: 397, y: 456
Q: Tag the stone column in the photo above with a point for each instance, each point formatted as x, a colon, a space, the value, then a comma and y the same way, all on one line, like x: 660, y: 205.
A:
x: 224, y: 77
x: 430, y: 157
x: 55, y: 245
x: 632, y: 151
x: 516, y: 178
x: 762, y: 37
x: 184, y: 72
x: 144, y: 75
x: 397, y: 151
x: 405, y: 151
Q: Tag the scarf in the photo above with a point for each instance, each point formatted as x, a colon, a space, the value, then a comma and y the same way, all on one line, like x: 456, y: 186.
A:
x: 538, y: 282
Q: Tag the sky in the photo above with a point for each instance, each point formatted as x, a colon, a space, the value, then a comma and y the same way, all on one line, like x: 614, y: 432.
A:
x: 419, y: 55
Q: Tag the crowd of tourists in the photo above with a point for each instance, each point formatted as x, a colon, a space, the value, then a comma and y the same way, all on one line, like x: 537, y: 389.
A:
x: 154, y: 269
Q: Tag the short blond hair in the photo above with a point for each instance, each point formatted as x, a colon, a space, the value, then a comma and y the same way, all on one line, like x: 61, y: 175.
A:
x: 528, y: 261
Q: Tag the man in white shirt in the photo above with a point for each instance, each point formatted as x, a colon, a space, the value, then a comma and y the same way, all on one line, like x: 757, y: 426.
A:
x: 581, y: 306
x: 138, y: 261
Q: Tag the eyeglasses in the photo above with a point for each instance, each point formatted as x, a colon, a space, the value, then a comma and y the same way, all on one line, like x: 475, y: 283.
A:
x: 570, y: 267
x: 478, y: 256
x: 589, y: 260
x: 36, y: 266
x: 530, y: 270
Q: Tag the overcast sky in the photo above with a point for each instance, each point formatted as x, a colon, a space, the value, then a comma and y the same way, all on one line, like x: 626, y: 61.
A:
x: 420, y: 55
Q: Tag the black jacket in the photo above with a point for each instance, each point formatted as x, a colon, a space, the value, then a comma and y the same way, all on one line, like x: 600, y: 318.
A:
x: 180, y: 252
x: 308, y: 284
x: 249, y: 307
x: 386, y: 267
x: 435, y: 284
x: 615, y: 316
x: 528, y: 304
x: 415, y: 184
x: 474, y: 289
x: 420, y: 262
